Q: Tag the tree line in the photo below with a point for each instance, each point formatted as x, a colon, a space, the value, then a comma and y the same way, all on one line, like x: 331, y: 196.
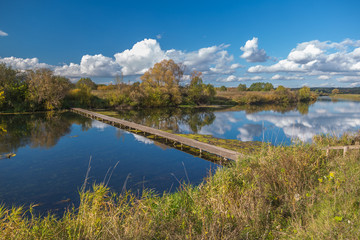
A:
x: 40, y: 89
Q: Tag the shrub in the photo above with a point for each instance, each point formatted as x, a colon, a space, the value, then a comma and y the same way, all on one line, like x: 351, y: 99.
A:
x: 304, y: 94
x: 241, y: 87
x: 223, y: 88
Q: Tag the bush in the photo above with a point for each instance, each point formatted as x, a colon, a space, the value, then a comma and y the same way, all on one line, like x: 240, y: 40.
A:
x: 86, y: 81
x: 335, y: 91
x: 260, y: 86
x: 241, y: 87
x: 223, y: 88
x: 304, y: 94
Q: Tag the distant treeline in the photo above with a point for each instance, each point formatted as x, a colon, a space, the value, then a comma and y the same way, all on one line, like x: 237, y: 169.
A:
x: 260, y: 93
x: 327, y: 91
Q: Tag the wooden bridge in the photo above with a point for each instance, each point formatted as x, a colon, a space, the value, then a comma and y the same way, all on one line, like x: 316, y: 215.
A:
x: 218, y: 151
x: 344, y: 148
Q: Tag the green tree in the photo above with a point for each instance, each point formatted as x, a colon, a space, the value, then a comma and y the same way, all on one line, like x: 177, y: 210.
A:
x: 86, y: 81
x: 84, y: 95
x: 14, y: 86
x: 241, y: 87
x: 46, y: 90
x: 268, y: 87
x: 198, y: 92
x: 281, y: 89
x: 196, y: 88
x: 304, y: 94
x: 260, y: 86
x: 210, y: 91
x: 160, y: 84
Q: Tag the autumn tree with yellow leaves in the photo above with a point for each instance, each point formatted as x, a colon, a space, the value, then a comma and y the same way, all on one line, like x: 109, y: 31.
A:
x: 45, y: 89
x: 160, y: 84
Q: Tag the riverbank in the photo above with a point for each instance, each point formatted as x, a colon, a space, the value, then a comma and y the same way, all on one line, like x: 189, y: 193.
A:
x: 281, y: 95
x: 277, y: 192
x: 248, y: 147
x: 351, y: 97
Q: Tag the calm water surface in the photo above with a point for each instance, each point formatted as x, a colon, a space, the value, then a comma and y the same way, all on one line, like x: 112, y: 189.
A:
x: 53, y: 151
x: 270, y: 123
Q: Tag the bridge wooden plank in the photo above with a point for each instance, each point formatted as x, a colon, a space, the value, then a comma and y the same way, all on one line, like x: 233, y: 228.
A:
x: 222, y: 152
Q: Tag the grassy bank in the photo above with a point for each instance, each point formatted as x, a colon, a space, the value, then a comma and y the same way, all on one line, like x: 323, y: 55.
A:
x: 280, y: 95
x: 352, y: 97
x: 232, y: 144
x: 293, y: 192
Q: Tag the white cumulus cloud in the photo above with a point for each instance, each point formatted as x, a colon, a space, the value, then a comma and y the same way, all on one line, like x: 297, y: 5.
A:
x: 304, y: 53
x: 252, y: 53
x: 351, y: 79
x: 282, y: 77
x: 233, y: 78
x: 324, y: 77
x: 3, y: 34
x: 144, y: 54
x: 210, y: 60
x: 24, y: 63
x: 90, y: 66
x: 320, y: 57
x: 140, y: 57
x: 281, y: 66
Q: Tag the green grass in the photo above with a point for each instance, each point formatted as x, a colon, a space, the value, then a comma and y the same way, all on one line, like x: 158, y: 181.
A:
x: 232, y: 144
x: 293, y: 192
x: 353, y: 97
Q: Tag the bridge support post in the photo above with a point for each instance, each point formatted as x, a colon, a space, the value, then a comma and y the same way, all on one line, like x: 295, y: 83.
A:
x: 345, y: 150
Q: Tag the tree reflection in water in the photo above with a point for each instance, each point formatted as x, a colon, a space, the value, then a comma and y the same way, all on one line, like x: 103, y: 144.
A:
x: 170, y: 119
x: 194, y: 119
x: 301, y: 107
x: 45, y: 129
x: 37, y: 130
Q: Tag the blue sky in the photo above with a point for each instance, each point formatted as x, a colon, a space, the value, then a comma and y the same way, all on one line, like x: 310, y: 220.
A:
x: 291, y: 43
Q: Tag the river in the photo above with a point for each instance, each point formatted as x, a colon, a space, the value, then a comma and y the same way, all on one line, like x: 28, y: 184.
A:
x: 53, y: 151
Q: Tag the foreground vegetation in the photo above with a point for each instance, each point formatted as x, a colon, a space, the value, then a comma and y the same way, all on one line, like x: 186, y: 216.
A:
x: 293, y: 192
